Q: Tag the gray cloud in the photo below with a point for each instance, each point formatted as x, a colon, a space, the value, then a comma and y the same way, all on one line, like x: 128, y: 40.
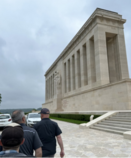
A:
x: 33, y: 34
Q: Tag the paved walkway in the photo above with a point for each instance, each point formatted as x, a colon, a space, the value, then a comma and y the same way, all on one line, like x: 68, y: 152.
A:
x: 92, y: 143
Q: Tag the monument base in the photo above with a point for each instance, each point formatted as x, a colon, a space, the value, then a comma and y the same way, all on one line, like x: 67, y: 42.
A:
x: 114, y: 96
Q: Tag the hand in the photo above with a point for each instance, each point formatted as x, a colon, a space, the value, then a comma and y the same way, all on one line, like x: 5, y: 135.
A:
x: 62, y: 153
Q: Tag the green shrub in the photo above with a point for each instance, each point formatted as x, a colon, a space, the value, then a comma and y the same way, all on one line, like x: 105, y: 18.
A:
x: 26, y: 113
x: 68, y: 120
x: 81, y: 117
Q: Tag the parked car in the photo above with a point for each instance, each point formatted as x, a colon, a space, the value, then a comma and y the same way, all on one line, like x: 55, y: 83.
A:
x: 5, y: 119
x: 32, y: 118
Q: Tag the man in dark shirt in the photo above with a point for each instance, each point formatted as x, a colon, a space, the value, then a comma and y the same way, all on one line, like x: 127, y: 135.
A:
x: 32, y: 140
x: 47, y: 131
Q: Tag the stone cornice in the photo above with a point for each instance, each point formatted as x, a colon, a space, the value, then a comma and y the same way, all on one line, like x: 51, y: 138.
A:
x: 97, y: 13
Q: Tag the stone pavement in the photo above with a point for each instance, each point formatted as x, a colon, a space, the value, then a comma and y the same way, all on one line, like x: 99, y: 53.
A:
x: 92, y: 143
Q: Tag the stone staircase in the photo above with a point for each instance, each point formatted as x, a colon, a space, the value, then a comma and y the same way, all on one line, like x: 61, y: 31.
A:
x: 119, y: 123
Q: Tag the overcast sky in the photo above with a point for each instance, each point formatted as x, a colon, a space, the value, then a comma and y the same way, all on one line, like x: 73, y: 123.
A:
x: 32, y: 35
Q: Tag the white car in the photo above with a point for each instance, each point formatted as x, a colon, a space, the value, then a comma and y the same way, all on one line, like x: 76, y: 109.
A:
x: 5, y: 119
x: 33, y: 118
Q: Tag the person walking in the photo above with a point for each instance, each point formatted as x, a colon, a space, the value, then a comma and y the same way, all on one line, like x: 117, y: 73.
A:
x: 32, y: 140
x: 11, y: 139
x: 48, y: 131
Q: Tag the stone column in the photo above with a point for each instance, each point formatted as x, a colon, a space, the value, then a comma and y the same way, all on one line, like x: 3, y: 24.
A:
x: 76, y: 71
x: 67, y: 78
x: 83, y: 66
x: 71, y: 73
x: 49, y: 87
x: 122, y: 55
x: 45, y: 89
x: 91, y: 61
x: 101, y: 61
x: 64, y: 69
x: 48, y: 90
x: 79, y: 68
x: 53, y: 86
x: 88, y: 62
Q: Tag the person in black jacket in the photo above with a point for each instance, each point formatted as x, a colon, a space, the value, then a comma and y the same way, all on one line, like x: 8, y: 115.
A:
x: 11, y: 139
x: 48, y: 132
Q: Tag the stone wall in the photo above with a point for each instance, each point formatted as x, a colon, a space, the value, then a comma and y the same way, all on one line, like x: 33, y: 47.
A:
x: 110, y: 97
x: 116, y: 96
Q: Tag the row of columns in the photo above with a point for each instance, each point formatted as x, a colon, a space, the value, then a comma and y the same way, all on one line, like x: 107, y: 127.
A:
x: 88, y: 65
x: 92, y: 64
x: 75, y: 70
x: 50, y: 90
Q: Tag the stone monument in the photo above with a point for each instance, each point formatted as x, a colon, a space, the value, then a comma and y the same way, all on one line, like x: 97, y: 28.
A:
x: 91, y: 74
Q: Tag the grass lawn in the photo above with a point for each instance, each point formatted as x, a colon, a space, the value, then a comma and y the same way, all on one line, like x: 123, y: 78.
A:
x: 68, y: 120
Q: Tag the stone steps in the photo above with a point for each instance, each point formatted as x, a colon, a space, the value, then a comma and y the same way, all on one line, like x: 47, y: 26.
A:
x: 107, y: 130
x: 118, y: 123
x: 113, y: 127
x: 122, y: 119
x: 123, y: 114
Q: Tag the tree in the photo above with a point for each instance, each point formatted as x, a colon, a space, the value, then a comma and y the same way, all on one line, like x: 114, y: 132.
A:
x: 0, y: 98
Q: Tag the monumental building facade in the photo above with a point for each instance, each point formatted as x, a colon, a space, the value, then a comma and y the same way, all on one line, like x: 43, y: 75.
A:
x: 91, y: 74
